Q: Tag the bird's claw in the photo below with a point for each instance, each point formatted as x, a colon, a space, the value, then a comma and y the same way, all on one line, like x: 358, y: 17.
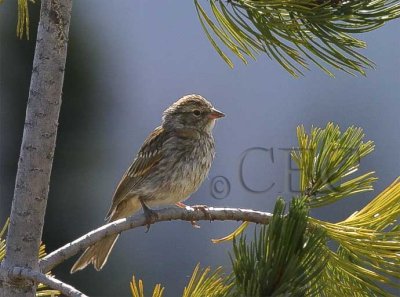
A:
x: 151, y: 217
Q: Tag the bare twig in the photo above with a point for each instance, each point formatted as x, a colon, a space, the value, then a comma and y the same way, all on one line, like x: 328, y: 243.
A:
x: 47, y: 280
x: 167, y: 214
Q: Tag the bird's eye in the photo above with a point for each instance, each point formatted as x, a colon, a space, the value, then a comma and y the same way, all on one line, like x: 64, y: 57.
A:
x: 196, y: 112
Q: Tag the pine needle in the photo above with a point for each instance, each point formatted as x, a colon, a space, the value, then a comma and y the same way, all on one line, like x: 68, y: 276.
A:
x: 207, y: 283
x: 234, y: 234
x: 284, y: 259
x: 328, y: 160
x: 23, y: 19
x: 292, y: 32
x: 369, y: 247
x: 137, y: 289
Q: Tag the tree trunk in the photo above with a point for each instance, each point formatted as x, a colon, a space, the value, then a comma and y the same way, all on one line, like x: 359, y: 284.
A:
x: 37, y: 149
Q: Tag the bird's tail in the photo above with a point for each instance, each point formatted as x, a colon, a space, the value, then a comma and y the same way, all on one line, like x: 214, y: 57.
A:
x: 96, y: 254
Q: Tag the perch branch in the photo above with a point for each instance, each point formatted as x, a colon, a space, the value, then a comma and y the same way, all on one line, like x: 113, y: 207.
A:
x: 168, y: 214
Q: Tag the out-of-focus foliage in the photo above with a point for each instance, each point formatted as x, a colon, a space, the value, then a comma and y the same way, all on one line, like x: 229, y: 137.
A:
x: 137, y: 289
x: 23, y: 18
x: 203, y: 282
x: 42, y: 290
x: 207, y: 283
x: 294, y: 31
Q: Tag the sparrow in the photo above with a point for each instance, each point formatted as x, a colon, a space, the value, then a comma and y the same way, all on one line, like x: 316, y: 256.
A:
x: 172, y: 163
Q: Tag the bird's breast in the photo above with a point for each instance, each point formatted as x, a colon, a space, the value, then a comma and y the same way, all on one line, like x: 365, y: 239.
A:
x: 183, y: 168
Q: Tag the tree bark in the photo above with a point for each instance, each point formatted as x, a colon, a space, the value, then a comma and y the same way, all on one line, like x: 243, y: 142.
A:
x: 49, y: 281
x: 37, y: 149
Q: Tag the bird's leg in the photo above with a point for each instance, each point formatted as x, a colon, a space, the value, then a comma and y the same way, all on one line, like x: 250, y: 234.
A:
x: 183, y: 205
x: 150, y: 215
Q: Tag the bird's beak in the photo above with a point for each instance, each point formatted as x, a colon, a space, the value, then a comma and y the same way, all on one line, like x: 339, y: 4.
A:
x: 215, y: 114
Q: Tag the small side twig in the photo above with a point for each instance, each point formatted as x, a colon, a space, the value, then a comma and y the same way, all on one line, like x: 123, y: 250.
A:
x: 47, y: 280
x: 168, y: 214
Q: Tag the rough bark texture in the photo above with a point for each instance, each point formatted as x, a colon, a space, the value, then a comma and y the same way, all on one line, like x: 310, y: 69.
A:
x: 37, y: 149
x: 49, y: 281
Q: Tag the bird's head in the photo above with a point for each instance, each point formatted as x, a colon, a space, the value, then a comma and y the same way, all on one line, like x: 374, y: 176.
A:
x: 191, y: 112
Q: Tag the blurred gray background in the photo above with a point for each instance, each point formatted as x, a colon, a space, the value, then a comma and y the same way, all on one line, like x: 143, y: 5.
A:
x: 128, y: 61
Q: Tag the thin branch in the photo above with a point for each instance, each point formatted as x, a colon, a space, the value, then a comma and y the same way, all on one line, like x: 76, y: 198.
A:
x: 167, y: 214
x: 48, y: 280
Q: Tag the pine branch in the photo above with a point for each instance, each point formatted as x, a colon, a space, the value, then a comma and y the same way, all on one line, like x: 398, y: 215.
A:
x: 168, y: 214
x: 285, y: 258
x: 292, y: 257
x: 37, y: 277
x: 294, y: 31
x: 369, y: 248
x: 328, y: 160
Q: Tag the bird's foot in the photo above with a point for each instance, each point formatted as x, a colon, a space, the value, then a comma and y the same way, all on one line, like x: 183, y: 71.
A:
x: 183, y: 205
x: 151, y: 215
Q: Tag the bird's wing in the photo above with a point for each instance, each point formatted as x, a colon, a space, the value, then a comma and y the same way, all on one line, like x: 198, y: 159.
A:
x: 149, y: 155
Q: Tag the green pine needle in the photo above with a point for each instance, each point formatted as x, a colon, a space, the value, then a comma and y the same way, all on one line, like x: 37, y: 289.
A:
x: 369, y: 248
x: 328, y: 159
x: 137, y: 289
x: 292, y: 31
x: 23, y: 18
x: 288, y: 31
x: 208, y: 283
x: 284, y: 259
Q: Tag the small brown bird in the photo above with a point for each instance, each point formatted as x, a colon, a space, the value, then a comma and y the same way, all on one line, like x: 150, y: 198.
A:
x: 171, y: 164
